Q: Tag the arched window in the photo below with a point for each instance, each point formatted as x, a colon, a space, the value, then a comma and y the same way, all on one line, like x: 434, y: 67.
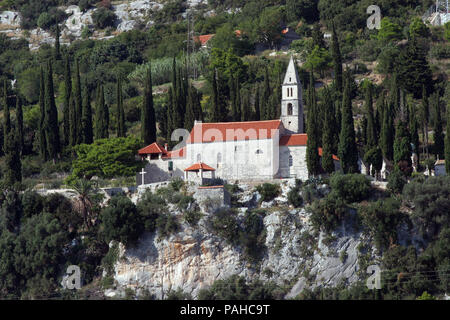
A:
x: 288, y: 92
x: 199, y: 157
x: 292, y: 92
x: 291, y: 161
x: 289, y: 109
x: 259, y: 151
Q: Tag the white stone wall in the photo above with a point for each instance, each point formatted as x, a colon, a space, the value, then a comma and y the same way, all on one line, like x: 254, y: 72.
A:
x: 299, y: 168
x: 237, y: 159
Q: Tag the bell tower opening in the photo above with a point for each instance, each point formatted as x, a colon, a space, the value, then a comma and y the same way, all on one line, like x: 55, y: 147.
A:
x: 289, y: 110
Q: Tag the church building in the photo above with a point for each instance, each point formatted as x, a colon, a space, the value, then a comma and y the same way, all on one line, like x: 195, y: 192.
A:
x: 251, y: 150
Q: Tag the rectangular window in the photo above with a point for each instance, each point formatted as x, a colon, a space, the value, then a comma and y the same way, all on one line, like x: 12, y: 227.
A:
x: 170, y: 165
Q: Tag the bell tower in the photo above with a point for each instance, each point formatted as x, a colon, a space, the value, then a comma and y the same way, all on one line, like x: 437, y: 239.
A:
x: 291, y: 101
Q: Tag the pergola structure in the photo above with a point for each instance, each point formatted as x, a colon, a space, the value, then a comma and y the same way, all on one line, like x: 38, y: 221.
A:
x: 199, y: 169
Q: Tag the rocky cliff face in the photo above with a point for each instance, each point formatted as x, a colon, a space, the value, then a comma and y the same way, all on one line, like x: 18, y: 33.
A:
x: 194, y: 258
x: 130, y: 14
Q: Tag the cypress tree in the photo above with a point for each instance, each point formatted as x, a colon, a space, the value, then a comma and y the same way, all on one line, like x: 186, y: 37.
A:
x: 78, y: 102
x: 42, y: 139
x: 19, y: 124
x: 6, y: 113
x: 447, y: 144
x: 425, y: 114
x: 371, y: 133
x: 121, y: 130
x: 317, y: 36
x: 57, y: 44
x: 51, y: 117
x: 266, y: 93
x: 67, y: 94
x: 86, y: 120
x: 245, y: 105
x: 13, y: 163
x: 190, y: 116
x: 72, y: 123
x: 347, y: 150
x: 238, y: 100
x: 387, y: 134
x: 232, y: 87
x: 106, y: 122
x: 327, y: 135
x: 170, y: 115
x: 197, y: 106
x: 162, y: 122
x: 413, y: 125
x: 219, y: 106
x: 312, y: 148
x: 99, y: 114
x: 148, y: 121
x: 438, y: 134
x: 257, y: 104
x: 337, y: 61
x: 402, y: 149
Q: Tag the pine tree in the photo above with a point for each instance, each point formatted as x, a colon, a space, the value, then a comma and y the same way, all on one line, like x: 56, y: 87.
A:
x: 148, y: 121
x: 337, y: 60
x: 312, y: 148
x: 327, y: 135
x: 51, y: 117
x: 347, y: 150
x: 86, y: 120
x: 447, y: 144
x: 78, y: 102
x: 42, y: 139
x: 438, y: 134
x: 19, y: 124
x: 67, y: 94
x: 121, y: 130
x: 13, y: 173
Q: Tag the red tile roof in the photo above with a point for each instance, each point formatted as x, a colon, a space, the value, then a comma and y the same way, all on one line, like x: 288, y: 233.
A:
x: 154, y: 148
x: 204, y: 38
x: 198, y: 166
x: 300, y: 139
x: 294, y: 140
x: 233, y: 131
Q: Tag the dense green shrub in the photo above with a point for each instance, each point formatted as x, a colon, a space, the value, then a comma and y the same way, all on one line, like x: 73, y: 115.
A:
x: 253, y: 236
x: 224, y: 224
x: 268, y: 191
x: 396, y: 182
x: 382, y: 219
x: 150, y: 207
x: 294, y: 197
x: 104, y: 18
x: 167, y: 224
x: 430, y: 201
x: 327, y: 213
x: 350, y: 187
x: 121, y: 221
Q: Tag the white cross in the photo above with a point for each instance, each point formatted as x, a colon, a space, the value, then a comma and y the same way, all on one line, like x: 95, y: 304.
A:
x: 143, y: 173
